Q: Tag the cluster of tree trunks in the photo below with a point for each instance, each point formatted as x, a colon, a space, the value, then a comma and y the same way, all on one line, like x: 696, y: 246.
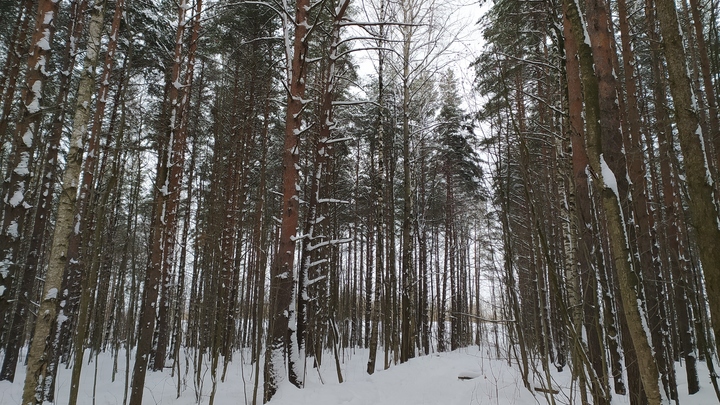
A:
x: 635, y: 165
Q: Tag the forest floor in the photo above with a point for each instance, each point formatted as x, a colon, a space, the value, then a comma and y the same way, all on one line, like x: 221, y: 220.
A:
x: 467, y: 376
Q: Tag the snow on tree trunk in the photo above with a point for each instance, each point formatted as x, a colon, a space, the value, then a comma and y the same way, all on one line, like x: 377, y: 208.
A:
x: 42, y: 213
x: 16, y: 186
x: 11, y: 70
x: 607, y: 185
x: 581, y: 226
x: 314, y: 244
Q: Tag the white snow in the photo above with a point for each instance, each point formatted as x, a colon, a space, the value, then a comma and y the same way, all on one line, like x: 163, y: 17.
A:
x: 608, y: 176
x: 34, y: 105
x: 12, y: 230
x: 22, y: 169
x: 44, y: 42
x: 708, y: 176
x: 51, y: 294
x: 48, y: 17
x: 18, y: 195
x: 28, y: 138
x: 425, y: 380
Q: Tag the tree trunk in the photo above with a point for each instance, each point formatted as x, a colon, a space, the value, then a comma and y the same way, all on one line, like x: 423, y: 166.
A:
x: 43, y: 212
x: 11, y: 70
x: 376, y: 225
x: 704, y: 214
x: 607, y: 185
x: 407, y: 349
x: 583, y: 222
x: 282, y: 278
x: 16, y: 186
x: 37, y: 366
x: 163, y: 226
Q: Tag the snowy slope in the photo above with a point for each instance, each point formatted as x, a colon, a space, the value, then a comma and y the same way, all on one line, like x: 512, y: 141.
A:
x: 425, y: 380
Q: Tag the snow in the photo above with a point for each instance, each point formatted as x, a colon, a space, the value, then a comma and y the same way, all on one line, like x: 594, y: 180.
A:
x: 708, y: 176
x: 51, y: 294
x: 48, y: 17
x: 34, y: 105
x: 22, y: 169
x: 18, y: 196
x: 608, y: 176
x: 12, y: 230
x: 426, y: 380
x: 44, y: 42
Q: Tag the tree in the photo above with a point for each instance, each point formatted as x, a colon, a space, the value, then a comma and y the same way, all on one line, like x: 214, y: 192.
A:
x: 462, y: 173
x: 281, y: 340
x: 37, y: 362
x: 167, y: 194
x: 703, y: 210
x: 16, y: 190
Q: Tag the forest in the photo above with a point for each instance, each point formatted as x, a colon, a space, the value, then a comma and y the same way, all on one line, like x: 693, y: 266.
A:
x: 188, y: 184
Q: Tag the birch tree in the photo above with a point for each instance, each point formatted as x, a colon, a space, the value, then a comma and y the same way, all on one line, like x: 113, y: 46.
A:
x: 37, y: 363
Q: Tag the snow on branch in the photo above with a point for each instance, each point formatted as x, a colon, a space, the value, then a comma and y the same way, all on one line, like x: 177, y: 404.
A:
x: 333, y: 200
x: 480, y: 318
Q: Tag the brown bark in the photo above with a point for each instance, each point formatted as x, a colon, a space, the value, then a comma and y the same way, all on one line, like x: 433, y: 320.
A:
x: 376, y: 223
x: 37, y: 367
x: 673, y: 233
x: 164, y: 221
x: 583, y: 222
x: 260, y: 257
x: 407, y: 350
x: 43, y: 211
x: 314, y: 245
x: 16, y: 187
x: 704, y: 214
x: 282, y: 271
x: 87, y: 190
x: 176, y: 165
x: 598, y: 93
x: 705, y: 70
x: 11, y: 70
x: 644, y: 221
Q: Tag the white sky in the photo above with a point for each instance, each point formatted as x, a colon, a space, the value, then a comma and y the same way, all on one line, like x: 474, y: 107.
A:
x: 461, y: 54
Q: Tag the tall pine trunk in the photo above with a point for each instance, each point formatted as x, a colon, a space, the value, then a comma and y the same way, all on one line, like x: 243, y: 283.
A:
x: 16, y: 187
x: 607, y: 184
x: 282, y: 278
x: 163, y: 227
x: 704, y: 213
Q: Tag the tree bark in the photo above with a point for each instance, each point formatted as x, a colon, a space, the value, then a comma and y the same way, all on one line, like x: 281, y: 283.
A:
x: 163, y: 226
x: 607, y: 184
x: 11, y: 70
x: 407, y: 349
x: 704, y: 213
x: 37, y: 367
x: 282, y: 315
x: 581, y: 225
x: 16, y: 186
x: 43, y: 211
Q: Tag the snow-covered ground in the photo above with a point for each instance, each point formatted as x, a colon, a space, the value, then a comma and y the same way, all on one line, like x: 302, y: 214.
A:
x: 467, y: 376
